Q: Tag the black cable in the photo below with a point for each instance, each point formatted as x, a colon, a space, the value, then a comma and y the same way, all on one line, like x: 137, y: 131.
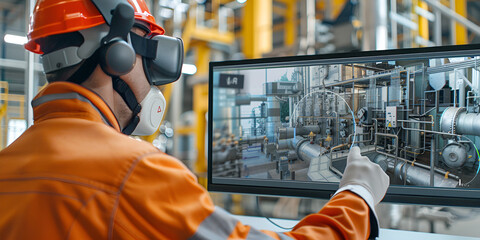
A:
x: 259, y: 212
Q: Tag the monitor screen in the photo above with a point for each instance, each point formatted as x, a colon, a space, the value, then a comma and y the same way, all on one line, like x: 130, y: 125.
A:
x: 284, y: 126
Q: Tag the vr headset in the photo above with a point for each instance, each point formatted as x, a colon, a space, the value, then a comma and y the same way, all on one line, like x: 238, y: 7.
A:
x: 162, y: 55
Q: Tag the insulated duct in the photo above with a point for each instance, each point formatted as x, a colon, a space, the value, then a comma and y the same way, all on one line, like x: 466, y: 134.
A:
x: 456, y: 120
x: 303, y: 148
x: 413, y: 174
x: 418, y: 176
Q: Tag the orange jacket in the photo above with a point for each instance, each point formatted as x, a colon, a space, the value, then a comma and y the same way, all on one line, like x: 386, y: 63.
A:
x: 73, y: 175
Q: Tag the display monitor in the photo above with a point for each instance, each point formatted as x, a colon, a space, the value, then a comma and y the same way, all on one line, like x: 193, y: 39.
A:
x: 284, y: 126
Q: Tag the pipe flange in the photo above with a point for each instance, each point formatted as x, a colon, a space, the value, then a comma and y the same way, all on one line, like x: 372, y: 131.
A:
x: 448, y: 120
x: 454, y: 123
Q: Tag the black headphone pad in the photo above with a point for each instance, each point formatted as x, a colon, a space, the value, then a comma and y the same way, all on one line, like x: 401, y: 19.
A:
x: 117, y: 57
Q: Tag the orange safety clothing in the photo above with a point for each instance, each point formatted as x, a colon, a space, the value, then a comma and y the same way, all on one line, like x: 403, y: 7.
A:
x: 73, y: 175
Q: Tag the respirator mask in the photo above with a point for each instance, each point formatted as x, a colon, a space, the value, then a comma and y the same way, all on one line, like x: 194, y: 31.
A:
x: 153, y: 109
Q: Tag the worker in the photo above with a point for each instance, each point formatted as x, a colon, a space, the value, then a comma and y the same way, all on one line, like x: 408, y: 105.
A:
x: 76, y: 174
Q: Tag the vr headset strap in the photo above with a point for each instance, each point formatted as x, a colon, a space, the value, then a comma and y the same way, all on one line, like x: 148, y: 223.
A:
x: 131, y: 126
x: 85, y: 70
x: 144, y: 46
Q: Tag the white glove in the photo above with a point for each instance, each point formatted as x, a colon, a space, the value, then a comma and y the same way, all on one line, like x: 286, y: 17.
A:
x: 361, y: 171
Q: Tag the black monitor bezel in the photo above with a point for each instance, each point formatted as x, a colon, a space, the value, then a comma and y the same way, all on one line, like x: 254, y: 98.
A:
x: 397, y: 194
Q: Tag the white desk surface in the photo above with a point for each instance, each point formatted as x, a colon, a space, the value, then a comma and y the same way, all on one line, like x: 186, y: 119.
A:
x: 385, y: 234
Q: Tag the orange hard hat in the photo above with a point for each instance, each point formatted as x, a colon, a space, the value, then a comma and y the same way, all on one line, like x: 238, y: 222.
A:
x: 51, y: 17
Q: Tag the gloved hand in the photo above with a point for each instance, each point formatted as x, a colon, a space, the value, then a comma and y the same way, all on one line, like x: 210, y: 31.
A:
x: 361, y: 171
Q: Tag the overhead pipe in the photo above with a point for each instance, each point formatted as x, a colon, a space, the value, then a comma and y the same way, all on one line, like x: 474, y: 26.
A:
x: 247, y: 99
x: 354, y: 80
x: 251, y: 139
x: 291, y: 132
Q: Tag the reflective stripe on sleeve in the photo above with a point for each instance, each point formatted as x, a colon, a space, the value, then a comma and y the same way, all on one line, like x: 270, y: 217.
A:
x: 283, y: 236
x: 219, y: 225
x: 255, y: 234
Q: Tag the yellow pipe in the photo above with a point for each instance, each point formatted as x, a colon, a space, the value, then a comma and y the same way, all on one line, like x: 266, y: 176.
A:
x: 290, y: 23
x: 338, y: 146
x: 203, y: 58
x: 423, y: 23
x: 186, y: 130
x: 336, y: 8
x: 200, y: 107
x: 212, y: 35
x: 320, y: 7
x: 257, y: 28
x: 460, y: 30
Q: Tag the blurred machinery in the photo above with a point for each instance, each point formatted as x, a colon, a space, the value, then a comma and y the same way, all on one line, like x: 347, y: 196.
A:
x: 418, y: 119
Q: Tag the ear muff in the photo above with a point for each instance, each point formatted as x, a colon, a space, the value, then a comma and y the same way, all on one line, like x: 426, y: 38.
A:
x: 117, y: 57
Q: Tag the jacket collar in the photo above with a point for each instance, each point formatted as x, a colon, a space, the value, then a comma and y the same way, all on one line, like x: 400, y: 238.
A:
x: 69, y: 100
